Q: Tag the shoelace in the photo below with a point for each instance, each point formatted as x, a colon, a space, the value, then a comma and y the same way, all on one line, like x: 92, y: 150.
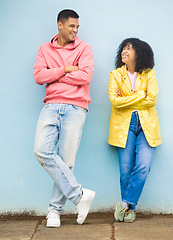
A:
x: 128, y: 212
x: 124, y: 211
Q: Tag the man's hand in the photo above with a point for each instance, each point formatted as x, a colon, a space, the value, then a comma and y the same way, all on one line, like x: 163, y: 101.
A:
x: 69, y: 69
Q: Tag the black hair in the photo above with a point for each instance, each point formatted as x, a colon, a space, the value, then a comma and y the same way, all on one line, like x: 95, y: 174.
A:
x: 143, y: 51
x: 66, y: 14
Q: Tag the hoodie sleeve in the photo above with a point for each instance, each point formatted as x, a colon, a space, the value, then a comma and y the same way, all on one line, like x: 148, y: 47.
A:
x: 42, y: 73
x: 84, y: 74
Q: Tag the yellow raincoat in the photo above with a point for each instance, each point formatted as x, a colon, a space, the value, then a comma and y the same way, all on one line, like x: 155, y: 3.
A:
x: 122, y: 107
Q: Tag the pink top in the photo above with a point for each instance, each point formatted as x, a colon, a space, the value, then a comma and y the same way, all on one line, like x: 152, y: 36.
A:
x: 68, y: 88
x: 132, y: 78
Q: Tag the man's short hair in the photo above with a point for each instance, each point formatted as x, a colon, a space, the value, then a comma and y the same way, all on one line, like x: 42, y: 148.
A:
x: 66, y: 14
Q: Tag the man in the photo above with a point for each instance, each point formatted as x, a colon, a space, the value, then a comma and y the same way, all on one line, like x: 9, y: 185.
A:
x: 65, y: 65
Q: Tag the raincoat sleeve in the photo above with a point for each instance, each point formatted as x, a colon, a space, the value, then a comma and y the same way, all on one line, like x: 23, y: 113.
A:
x: 152, y: 91
x: 84, y: 74
x: 124, y: 101
x: 42, y: 73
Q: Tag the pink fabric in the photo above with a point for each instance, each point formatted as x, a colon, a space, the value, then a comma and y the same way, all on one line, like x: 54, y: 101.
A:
x: 71, y: 88
x: 132, y: 78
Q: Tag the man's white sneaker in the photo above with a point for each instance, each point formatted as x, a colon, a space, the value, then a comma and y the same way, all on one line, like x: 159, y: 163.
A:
x: 84, y: 205
x: 53, y: 220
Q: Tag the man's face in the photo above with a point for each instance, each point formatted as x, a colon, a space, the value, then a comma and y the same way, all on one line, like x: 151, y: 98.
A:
x: 68, y: 29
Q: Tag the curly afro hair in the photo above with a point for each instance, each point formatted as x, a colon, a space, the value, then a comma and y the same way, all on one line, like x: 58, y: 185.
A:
x: 144, y: 55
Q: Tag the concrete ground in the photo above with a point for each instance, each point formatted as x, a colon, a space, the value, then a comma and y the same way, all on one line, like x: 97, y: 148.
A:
x: 100, y: 226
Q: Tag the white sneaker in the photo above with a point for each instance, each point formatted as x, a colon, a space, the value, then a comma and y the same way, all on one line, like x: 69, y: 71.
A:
x: 84, y: 205
x: 53, y: 219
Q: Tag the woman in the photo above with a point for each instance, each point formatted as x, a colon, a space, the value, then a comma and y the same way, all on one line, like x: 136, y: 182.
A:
x: 134, y: 126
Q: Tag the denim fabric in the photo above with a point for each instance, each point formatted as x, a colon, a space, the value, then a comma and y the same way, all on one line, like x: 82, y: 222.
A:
x: 134, y: 162
x: 60, y: 125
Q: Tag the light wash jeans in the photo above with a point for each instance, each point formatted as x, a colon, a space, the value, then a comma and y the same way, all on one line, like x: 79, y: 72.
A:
x: 60, y: 125
x: 134, y: 162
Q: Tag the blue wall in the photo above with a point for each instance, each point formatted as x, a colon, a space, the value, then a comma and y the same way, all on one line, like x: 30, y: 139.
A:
x: 24, y: 26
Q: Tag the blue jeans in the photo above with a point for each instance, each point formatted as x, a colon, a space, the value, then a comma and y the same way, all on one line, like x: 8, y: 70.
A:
x: 134, y: 162
x: 60, y: 125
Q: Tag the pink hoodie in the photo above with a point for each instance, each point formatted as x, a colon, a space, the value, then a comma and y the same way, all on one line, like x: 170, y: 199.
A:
x: 71, y: 88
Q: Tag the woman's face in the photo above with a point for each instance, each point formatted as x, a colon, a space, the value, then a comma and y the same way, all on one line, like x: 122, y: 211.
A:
x: 128, y: 55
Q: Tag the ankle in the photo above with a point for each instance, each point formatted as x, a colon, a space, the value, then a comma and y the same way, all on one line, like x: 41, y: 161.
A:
x: 125, y: 205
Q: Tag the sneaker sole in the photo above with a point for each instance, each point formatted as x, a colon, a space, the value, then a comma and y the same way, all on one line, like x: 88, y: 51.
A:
x: 115, y: 215
x: 49, y: 225
x: 89, y: 205
x: 129, y: 221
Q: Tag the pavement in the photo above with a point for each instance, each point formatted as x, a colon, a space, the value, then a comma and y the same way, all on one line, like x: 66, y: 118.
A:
x: 100, y: 226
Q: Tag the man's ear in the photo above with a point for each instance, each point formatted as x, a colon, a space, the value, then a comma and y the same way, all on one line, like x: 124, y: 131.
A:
x: 59, y: 24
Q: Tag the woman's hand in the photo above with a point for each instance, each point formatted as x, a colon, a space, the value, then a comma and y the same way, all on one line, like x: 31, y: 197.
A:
x: 144, y: 92
x: 118, y: 92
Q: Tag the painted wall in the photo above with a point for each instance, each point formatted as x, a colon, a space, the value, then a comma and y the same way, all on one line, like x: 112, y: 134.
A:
x: 24, y: 26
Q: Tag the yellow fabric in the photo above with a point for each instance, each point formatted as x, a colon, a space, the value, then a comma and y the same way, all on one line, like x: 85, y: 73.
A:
x: 122, y: 107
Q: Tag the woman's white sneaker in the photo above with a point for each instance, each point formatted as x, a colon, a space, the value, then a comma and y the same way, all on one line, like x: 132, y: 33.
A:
x: 53, y: 219
x: 84, y: 205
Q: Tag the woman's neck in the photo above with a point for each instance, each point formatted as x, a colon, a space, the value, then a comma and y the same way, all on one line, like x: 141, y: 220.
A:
x: 131, y: 69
